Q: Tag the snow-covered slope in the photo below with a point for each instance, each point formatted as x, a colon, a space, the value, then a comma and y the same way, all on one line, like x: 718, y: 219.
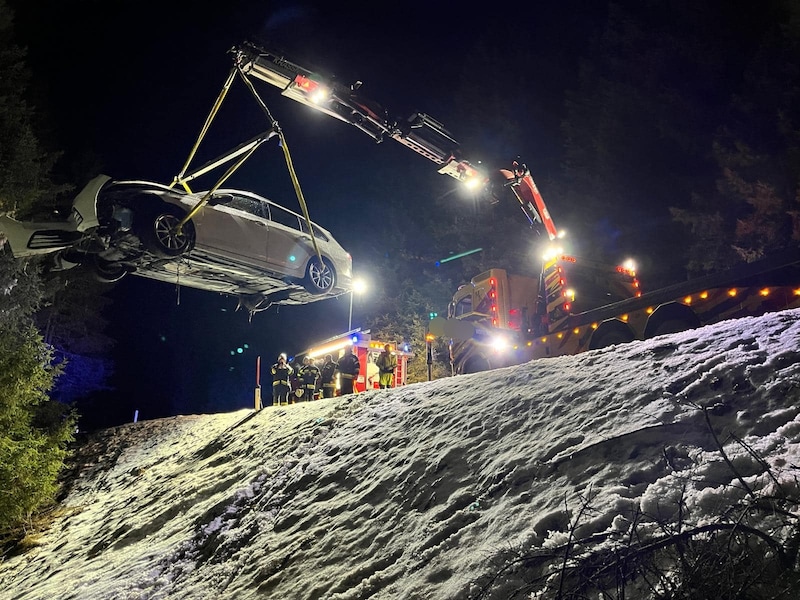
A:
x: 436, y: 490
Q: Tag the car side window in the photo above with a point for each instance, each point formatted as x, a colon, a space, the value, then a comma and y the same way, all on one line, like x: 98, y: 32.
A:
x: 317, y: 231
x: 248, y: 205
x: 284, y: 217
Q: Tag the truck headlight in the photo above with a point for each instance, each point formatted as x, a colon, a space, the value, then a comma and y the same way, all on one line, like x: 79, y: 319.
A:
x: 499, y: 343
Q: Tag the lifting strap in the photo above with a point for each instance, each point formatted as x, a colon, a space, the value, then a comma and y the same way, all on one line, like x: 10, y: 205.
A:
x: 214, y: 110
x: 244, y: 151
x: 288, y: 157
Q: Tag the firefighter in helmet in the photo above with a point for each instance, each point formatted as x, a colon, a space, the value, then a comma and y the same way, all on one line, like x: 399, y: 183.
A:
x: 281, y: 372
x: 327, y: 375
x: 386, y: 363
x: 308, y: 374
x: 348, y: 367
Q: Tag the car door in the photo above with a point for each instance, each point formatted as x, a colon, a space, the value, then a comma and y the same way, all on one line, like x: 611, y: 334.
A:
x: 289, y: 246
x: 236, y: 225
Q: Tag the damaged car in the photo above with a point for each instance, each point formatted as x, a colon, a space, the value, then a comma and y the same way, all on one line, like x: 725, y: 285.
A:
x: 236, y: 243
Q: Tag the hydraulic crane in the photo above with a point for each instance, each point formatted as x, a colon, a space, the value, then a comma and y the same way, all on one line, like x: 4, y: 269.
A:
x: 419, y: 132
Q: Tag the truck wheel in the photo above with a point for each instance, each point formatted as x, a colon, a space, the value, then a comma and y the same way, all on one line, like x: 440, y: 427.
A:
x: 476, y: 364
x: 611, y: 334
x: 672, y: 326
x: 671, y: 318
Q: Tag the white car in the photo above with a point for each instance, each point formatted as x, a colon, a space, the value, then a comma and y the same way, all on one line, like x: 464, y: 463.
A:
x: 238, y: 243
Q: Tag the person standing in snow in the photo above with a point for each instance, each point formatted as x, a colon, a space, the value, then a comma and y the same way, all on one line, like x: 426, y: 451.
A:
x: 327, y: 376
x: 348, y: 368
x: 281, y: 372
x: 308, y: 374
x: 386, y: 363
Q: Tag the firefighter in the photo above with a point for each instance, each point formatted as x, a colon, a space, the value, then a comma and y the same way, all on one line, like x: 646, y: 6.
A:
x: 281, y: 372
x: 327, y: 376
x: 308, y: 374
x: 348, y: 368
x: 386, y: 363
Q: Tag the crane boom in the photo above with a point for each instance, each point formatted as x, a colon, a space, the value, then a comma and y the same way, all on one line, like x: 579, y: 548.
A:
x: 419, y: 132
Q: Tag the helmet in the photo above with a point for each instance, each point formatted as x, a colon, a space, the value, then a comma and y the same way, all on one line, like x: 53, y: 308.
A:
x: 282, y: 355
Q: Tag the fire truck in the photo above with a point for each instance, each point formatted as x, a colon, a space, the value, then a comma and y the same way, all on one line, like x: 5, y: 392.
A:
x: 500, y: 319
x: 367, y: 350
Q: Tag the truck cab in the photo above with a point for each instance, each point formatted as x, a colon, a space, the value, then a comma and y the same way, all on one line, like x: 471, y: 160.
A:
x: 507, y: 311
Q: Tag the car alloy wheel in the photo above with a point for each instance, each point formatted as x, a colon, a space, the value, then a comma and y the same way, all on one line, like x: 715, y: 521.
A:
x: 319, y: 276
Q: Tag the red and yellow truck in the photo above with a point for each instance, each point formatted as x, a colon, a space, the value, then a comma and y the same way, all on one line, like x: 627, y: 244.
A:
x: 500, y: 319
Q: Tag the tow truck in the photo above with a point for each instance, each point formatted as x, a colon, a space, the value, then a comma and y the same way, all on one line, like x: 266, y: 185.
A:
x: 501, y: 319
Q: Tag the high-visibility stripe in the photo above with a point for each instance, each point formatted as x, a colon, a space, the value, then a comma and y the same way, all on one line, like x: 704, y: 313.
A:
x: 274, y: 383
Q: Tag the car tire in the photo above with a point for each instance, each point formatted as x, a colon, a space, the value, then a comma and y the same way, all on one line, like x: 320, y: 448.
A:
x: 159, y: 234
x: 108, y: 271
x: 320, y: 277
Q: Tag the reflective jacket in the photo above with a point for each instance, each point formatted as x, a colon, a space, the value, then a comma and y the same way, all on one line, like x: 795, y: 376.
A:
x: 308, y: 375
x: 386, y: 362
x: 327, y: 373
x: 281, y: 374
x: 348, y: 366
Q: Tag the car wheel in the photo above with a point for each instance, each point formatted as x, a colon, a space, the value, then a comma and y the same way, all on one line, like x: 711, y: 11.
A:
x: 107, y: 271
x: 319, y: 276
x: 160, y: 234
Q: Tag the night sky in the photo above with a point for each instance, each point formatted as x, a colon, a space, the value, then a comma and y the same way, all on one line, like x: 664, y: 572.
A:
x: 129, y: 84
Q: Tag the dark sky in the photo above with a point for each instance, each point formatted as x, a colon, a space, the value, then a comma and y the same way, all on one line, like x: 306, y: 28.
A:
x: 130, y: 84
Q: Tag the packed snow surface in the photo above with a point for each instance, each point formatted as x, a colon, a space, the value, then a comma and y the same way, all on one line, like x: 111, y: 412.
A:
x: 427, y: 491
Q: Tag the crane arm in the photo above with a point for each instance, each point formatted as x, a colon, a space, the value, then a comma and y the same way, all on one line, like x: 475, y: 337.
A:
x: 419, y: 132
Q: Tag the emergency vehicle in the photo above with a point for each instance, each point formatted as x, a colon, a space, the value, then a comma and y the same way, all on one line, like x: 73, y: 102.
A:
x: 367, y: 350
x: 500, y: 319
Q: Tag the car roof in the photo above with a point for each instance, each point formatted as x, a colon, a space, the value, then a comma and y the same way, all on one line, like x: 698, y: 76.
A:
x: 201, y: 194
x: 260, y: 197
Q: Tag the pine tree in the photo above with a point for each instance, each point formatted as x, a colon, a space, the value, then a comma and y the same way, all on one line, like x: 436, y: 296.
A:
x: 34, y: 430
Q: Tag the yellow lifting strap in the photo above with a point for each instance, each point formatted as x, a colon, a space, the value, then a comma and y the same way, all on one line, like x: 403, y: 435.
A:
x: 246, y: 152
x: 299, y: 192
x: 214, y: 110
x: 289, y: 165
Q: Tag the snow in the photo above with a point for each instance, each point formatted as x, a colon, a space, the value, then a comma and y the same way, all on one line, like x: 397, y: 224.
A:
x: 427, y: 491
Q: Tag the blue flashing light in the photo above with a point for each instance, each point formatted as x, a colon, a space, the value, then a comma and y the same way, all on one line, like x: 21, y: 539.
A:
x: 239, y: 351
x: 354, y: 339
x: 292, y: 258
